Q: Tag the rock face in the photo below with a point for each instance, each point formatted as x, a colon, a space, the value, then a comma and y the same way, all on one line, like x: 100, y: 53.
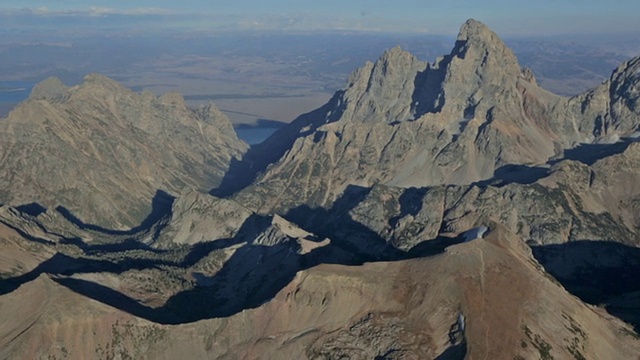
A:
x: 406, y: 123
x: 198, y: 217
x: 103, y: 151
x: 613, y: 105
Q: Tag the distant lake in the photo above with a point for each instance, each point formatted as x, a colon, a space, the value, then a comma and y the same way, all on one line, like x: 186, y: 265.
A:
x: 14, y: 91
x: 256, y: 135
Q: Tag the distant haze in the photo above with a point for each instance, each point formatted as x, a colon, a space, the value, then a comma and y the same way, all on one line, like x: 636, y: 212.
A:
x: 270, y: 75
x: 543, y: 17
x: 275, y: 60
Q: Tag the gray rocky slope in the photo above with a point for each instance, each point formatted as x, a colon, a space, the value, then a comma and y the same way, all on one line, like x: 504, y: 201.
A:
x: 102, y: 151
x: 406, y: 123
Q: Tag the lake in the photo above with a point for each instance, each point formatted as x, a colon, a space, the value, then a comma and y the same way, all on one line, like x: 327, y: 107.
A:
x: 14, y: 91
x: 11, y: 93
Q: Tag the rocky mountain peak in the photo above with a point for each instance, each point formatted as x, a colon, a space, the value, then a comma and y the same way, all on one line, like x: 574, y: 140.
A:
x: 395, y: 56
x: 482, y: 49
x: 394, y: 64
x: 408, y: 123
x: 475, y: 34
x: 612, y: 109
x: 173, y: 98
x: 51, y: 89
x: 98, y: 80
x: 99, y: 89
x: 209, y: 113
x: 625, y: 96
x: 476, y: 30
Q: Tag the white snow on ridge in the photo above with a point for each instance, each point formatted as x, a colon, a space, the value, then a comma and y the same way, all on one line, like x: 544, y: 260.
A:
x: 475, y: 233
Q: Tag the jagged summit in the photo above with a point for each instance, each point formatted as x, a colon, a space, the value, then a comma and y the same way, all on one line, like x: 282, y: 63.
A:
x: 51, y: 89
x: 625, y: 93
x: 479, y: 45
x: 404, y: 122
x: 100, y: 85
x: 396, y: 55
x: 477, y: 32
x: 99, y: 79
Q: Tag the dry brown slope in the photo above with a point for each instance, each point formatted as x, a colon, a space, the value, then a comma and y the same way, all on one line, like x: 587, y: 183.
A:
x: 405, y: 309
x: 18, y: 255
x: 56, y: 323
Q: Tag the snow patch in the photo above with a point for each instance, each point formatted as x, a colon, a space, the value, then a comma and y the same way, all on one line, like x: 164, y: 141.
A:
x: 475, y: 233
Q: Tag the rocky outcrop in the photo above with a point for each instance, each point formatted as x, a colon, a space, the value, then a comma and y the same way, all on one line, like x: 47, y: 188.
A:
x: 102, y: 151
x: 197, y: 217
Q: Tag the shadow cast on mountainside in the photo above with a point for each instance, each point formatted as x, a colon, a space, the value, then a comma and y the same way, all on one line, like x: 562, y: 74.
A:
x: 515, y: 174
x: 27, y: 235
x: 161, y: 205
x: 524, y: 174
x: 429, y: 96
x: 33, y: 209
x: 344, y: 232
x: 590, y: 153
x: 96, y: 249
x: 356, y: 238
x: 455, y: 352
x: 433, y: 247
x: 599, y: 273
x: 410, y: 203
x: 219, y: 296
x: 116, y: 299
x: 61, y: 264
x: 252, y: 275
x: 242, y: 172
x: 65, y: 265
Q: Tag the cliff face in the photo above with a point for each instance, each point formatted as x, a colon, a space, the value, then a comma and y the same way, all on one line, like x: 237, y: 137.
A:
x: 406, y: 123
x: 103, y: 151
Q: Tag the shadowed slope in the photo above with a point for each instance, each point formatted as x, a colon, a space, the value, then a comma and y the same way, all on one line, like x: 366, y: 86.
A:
x: 404, y: 308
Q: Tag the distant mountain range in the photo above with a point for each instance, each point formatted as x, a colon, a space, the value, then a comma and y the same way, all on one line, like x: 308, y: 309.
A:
x: 442, y: 210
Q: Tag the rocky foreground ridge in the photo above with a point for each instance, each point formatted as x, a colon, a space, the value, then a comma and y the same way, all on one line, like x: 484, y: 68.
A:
x: 354, y: 232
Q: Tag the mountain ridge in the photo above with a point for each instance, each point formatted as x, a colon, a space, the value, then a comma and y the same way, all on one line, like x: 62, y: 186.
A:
x: 100, y: 148
x: 457, y: 122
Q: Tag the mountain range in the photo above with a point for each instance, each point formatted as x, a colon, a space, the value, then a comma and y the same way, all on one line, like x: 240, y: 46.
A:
x: 444, y: 210
x: 102, y: 151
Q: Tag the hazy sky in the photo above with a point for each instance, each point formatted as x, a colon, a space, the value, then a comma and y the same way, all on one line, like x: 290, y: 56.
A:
x: 509, y: 17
